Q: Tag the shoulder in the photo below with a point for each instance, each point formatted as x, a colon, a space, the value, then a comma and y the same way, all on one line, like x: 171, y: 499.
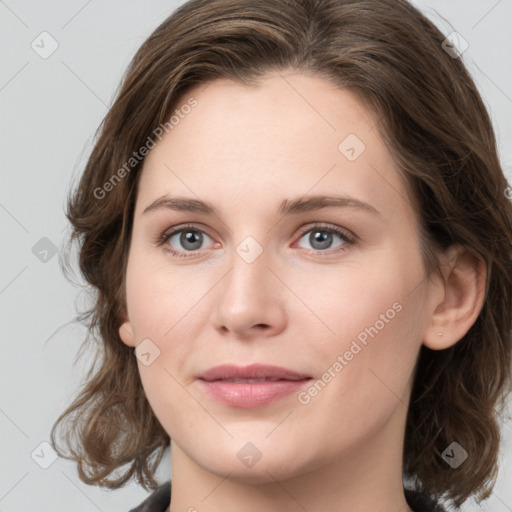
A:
x: 158, y: 501
x: 421, y: 503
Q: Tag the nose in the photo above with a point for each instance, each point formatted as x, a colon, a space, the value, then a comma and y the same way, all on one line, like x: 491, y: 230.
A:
x: 250, y: 299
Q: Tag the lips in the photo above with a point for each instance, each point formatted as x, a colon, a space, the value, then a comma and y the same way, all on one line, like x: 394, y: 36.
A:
x: 251, y: 373
x: 251, y: 386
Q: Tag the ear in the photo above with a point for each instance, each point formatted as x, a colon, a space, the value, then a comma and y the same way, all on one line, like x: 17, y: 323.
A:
x: 126, y: 331
x: 461, y: 297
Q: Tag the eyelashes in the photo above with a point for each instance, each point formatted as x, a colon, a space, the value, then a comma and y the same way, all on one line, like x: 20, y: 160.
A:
x: 192, y: 234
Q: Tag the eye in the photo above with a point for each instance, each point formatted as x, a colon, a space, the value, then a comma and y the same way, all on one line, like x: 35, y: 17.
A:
x: 186, y: 239
x: 322, y: 238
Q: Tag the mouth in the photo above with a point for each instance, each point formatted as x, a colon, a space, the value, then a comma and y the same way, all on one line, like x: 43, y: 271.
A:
x: 251, y: 386
x: 237, y: 380
x: 253, y: 372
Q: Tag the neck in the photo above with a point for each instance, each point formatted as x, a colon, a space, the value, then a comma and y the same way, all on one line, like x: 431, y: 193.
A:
x: 367, y: 477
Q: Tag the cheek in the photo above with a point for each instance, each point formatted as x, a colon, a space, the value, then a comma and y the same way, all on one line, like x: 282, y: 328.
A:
x: 166, y: 317
x: 363, y: 378
x: 160, y: 298
x: 375, y: 319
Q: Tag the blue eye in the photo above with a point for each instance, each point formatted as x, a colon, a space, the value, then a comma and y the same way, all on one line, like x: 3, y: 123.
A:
x: 321, y: 238
x: 186, y: 240
x: 189, y: 238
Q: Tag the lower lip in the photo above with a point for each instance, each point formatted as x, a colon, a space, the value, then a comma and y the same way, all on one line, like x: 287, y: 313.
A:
x: 248, y: 395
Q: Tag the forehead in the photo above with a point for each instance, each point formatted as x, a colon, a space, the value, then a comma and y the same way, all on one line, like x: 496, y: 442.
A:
x: 291, y: 134
x: 283, y: 109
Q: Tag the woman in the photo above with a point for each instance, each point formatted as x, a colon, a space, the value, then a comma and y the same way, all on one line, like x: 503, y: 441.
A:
x: 297, y: 225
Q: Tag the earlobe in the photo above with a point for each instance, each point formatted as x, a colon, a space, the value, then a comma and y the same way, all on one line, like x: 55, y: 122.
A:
x: 126, y: 334
x: 126, y: 329
x: 459, y: 307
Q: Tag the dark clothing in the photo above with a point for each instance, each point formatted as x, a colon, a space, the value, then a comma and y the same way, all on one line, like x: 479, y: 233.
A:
x: 159, y: 500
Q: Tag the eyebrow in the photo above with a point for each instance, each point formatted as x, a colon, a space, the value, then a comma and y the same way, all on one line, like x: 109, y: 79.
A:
x: 287, y: 207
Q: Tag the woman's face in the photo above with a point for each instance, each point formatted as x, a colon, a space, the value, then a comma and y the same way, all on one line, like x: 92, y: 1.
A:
x: 291, y: 270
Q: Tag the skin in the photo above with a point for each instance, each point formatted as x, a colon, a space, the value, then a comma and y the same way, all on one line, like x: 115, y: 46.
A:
x: 246, y: 149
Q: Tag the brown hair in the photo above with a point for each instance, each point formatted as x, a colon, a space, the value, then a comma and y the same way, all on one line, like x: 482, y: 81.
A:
x: 435, y: 125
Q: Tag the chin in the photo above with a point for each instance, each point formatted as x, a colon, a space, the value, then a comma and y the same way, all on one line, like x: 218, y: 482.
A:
x: 263, y: 472
x: 245, y: 461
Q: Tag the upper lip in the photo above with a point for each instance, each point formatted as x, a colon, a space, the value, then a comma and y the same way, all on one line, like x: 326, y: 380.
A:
x: 253, y: 371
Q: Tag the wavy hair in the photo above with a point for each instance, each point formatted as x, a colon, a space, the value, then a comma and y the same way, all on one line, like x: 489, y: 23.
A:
x: 435, y: 125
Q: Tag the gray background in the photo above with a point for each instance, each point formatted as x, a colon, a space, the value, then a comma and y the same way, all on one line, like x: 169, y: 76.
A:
x: 50, y: 110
